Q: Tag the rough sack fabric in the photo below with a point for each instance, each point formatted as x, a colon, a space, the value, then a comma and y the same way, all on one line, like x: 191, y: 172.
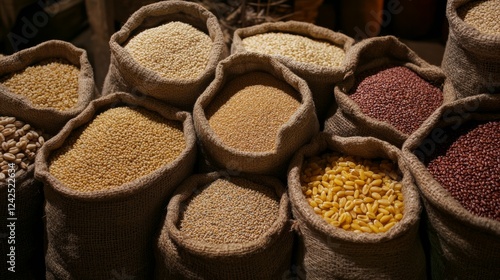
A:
x: 96, y: 235
x: 125, y: 74
x: 462, y: 245
x: 297, y: 131
x: 327, y: 252
x: 267, y: 257
x: 471, y: 59
x: 49, y: 119
x: 345, y: 118
x: 321, y: 80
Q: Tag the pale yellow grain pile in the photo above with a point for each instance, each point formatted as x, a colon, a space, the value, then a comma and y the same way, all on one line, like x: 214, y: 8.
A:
x: 120, y: 145
x: 483, y: 15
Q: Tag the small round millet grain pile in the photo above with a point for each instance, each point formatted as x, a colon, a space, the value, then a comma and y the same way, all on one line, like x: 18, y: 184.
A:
x: 52, y: 83
x: 353, y: 193
x: 296, y: 47
x: 118, y: 146
x: 396, y: 95
x: 232, y: 210
x: 19, y: 143
x: 250, y: 109
x: 467, y: 165
x: 482, y: 15
x: 174, y: 50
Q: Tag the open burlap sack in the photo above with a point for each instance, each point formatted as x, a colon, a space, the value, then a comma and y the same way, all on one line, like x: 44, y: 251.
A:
x: 125, y: 74
x: 471, y: 59
x: 321, y: 80
x: 328, y: 252
x: 345, y: 118
x: 462, y: 245
x: 268, y: 257
x: 100, y: 234
x: 297, y: 131
x: 49, y: 119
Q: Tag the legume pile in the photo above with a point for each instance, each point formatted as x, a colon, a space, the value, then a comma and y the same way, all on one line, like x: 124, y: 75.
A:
x: 249, y: 111
x: 118, y: 146
x: 230, y: 211
x: 52, y: 83
x: 468, y: 166
x: 296, y: 47
x: 482, y: 15
x: 396, y: 95
x: 173, y: 50
x: 353, y: 193
x: 19, y: 144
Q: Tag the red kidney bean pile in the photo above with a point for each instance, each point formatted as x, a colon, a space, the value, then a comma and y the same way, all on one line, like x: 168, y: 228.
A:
x: 468, y: 166
x: 396, y: 95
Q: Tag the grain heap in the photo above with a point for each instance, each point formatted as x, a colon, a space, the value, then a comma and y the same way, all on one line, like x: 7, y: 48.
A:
x: 482, y: 15
x: 249, y: 111
x: 230, y: 211
x: 118, y: 146
x: 52, y: 83
x: 353, y: 193
x: 396, y: 95
x: 174, y: 50
x: 19, y: 143
x: 296, y: 47
x: 468, y: 166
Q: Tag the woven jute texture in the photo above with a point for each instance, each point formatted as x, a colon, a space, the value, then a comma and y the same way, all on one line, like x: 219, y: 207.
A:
x: 267, y: 257
x: 321, y: 80
x: 100, y: 234
x: 125, y: 74
x: 462, y: 245
x: 345, y: 118
x: 297, y: 131
x: 471, y: 59
x: 328, y: 252
x: 49, y: 119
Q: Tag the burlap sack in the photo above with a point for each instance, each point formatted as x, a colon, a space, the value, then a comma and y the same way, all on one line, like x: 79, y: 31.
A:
x: 321, y: 80
x: 268, y: 257
x: 327, y: 252
x: 49, y: 119
x: 101, y: 234
x: 345, y: 118
x: 125, y: 74
x: 471, y: 59
x: 299, y: 129
x: 463, y: 245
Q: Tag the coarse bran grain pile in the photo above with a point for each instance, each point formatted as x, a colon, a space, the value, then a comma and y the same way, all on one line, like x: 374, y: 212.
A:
x: 217, y: 224
x: 249, y: 111
x: 459, y: 186
x: 482, y: 15
x: 331, y: 252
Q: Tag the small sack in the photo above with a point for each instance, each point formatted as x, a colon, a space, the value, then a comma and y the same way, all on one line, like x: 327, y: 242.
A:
x: 462, y: 245
x: 329, y: 252
x: 294, y: 133
x: 181, y: 257
x: 49, y: 119
x: 321, y: 79
x: 471, y: 59
x: 346, y: 118
x: 126, y: 74
x: 99, y: 234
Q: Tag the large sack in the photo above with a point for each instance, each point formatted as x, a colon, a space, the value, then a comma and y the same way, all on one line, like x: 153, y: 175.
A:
x: 126, y: 74
x: 99, y: 234
x: 346, y: 118
x: 181, y: 257
x: 321, y: 79
x: 462, y: 245
x: 471, y: 58
x: 328, y: 252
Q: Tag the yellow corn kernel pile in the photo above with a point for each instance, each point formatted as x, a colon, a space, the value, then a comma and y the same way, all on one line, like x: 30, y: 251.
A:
x: 353, y: 193
x: 118, y: 146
